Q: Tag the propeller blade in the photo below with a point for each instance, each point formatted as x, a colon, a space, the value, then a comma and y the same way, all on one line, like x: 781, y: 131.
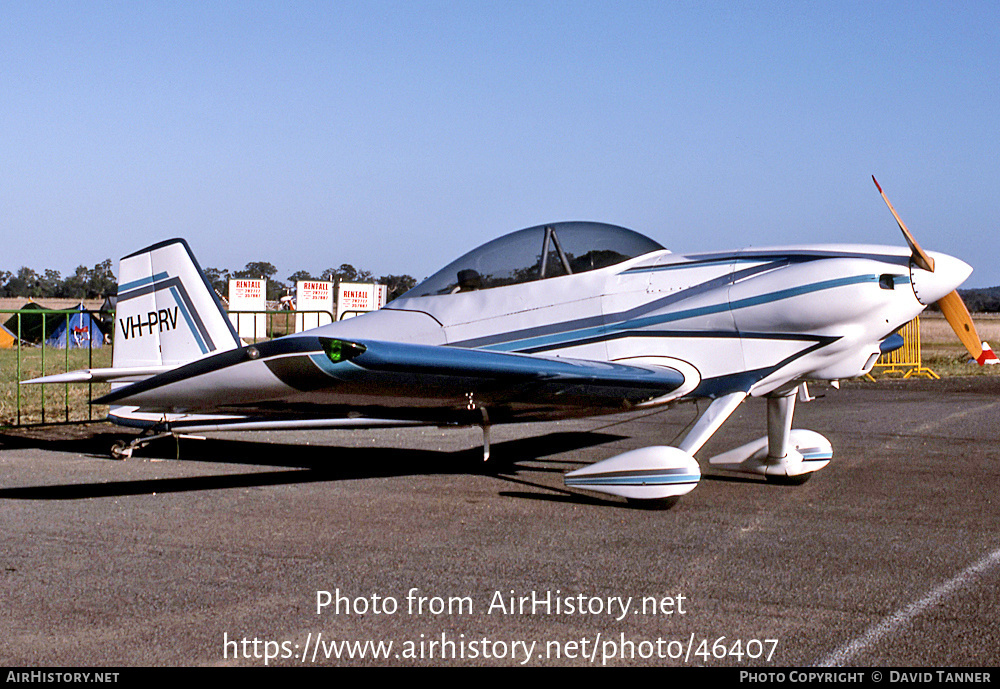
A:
x: 960, y: 320
x: 920, y: 256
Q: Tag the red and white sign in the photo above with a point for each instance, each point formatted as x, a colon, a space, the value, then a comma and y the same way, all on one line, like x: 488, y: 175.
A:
x: 248, y: 296
x: 354, y: 298
x: 314, y: 296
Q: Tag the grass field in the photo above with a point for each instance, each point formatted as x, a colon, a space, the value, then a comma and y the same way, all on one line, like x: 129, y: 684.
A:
x: 945, y: 355
x: 60, y: 403
x: 25, y: 404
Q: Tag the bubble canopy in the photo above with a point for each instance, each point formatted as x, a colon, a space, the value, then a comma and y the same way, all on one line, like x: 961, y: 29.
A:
x: 537, y: 253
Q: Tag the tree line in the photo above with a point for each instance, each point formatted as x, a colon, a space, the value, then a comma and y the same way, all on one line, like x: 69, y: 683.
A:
x: 99, y: 282
x: 85, y: 283
x: 982, y: 300
x: 255, y: 270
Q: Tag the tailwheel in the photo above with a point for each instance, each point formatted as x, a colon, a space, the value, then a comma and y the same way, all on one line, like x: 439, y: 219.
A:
x: 121, y: 450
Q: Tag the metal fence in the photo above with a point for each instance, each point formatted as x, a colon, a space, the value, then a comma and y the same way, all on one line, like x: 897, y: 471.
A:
x: 267, y: 325
x: 32, y: 349
x: 907, y: 361
x: 41, y: 342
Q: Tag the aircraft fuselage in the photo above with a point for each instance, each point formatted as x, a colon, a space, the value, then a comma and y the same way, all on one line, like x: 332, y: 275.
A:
x: 754, y: 319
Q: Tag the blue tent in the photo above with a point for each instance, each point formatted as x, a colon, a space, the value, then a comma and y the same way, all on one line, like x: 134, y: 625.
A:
x: 78, y: 331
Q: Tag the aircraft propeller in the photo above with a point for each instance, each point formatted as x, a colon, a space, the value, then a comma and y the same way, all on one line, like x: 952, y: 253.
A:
x: 951, y: 304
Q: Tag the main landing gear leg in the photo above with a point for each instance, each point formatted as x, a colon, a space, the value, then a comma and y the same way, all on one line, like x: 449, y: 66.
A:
x: 709, y: 422
x: 486, y: 434
x: 784, y: 455
x: 657, y: 475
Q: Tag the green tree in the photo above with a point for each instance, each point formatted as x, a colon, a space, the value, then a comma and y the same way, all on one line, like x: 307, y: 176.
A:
x: 218, y: 279
x: 396, y: 285
x: 347, y: 273
x: 301, y: 276
x: 101, y: 281
x: 25, y: 283
x: 255, y: 270
x: 51, y: 283
x: 75, y: 286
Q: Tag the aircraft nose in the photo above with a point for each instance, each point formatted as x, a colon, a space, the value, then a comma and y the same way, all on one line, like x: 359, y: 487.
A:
x: 949, y: 272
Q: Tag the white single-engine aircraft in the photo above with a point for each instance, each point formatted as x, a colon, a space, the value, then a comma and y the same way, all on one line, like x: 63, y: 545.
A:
x: 563, y: 320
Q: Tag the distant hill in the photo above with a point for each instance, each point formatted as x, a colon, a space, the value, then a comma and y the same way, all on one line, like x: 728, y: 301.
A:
x: 983, y: 299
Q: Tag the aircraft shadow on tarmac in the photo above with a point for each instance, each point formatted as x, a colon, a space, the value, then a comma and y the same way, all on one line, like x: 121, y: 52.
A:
x: 316, y: 463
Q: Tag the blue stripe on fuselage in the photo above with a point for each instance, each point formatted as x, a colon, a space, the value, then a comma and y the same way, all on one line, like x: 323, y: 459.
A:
x: 568, y: 338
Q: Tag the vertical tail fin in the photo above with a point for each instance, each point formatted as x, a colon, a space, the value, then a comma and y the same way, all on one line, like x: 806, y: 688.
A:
x: 167, y: 312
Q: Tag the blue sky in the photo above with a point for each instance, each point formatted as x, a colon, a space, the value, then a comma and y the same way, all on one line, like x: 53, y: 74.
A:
x: 397, y: 135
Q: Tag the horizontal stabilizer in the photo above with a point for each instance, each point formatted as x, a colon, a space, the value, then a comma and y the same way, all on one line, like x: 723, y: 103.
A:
x: 102, y: 375
x: 166, y: 315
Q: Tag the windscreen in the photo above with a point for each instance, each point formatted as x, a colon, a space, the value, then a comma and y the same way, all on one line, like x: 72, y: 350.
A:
x: 537, y: 253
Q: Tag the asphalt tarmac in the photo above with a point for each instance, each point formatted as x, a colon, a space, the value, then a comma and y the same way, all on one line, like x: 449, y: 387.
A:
x: 276, y: 548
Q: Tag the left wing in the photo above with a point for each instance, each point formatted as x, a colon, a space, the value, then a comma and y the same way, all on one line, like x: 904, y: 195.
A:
x: 322, y: 377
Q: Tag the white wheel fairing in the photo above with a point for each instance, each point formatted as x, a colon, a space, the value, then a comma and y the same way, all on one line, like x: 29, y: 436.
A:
x: 811, y: 452
x: 648, y: 473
